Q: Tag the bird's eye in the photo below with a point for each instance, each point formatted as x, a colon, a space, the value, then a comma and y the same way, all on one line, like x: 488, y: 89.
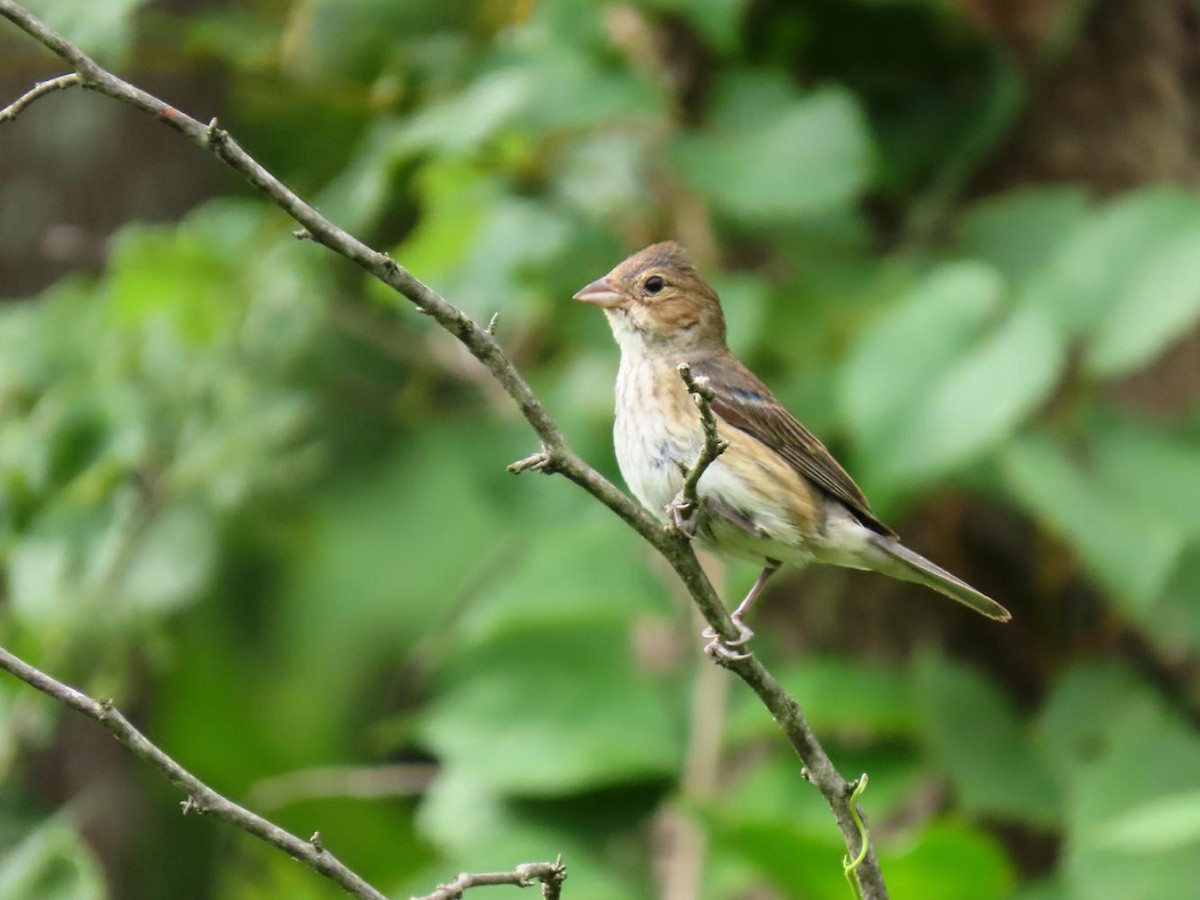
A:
x: 654, y: 284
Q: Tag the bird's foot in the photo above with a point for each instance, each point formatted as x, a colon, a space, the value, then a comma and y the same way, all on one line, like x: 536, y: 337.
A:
x: 721, y: 650
x: 683, y: 515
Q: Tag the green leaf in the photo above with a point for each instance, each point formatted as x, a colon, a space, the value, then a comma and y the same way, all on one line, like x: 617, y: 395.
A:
x: 467, y: 119
x: 1159, y: 305
x: 942, y: 314
x: 554, y: 710
x: 186, y: 277
x: 719, y: 20
x: 774, y: 156
x: 171, y: 561
x: 102, y: 29
x: 845, y: 697
x: 1019, y: 231
x: 976, y: 739
x: 1069, y: 733
x: 793, y: 860
x: 1153, y: 472
x: 1167, y: 823
x: 1150, y: 760
x: 51, y: 862
x: 1096, y: 266
x: 980, y: 400
x: 1130, y: 553
x: 587, y: 587
x: 571, y: 90
x: 948, y: 861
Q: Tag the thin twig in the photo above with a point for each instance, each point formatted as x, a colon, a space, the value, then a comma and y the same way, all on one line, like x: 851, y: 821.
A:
x: 556, y: 455
x: 550, y: 874
x: 702, y: 393
x: 200, y: 798
x: 40, y: 89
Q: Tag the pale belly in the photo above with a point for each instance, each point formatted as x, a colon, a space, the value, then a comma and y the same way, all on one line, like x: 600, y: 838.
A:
x: 657, y: 436
x: 652, y: 458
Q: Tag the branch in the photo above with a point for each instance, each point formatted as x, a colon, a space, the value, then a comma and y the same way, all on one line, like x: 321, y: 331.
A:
x: 555, y: 456
x: 40, y: 89
x: 550, y: 874
x: 713, y: 447
x: 200, y: 797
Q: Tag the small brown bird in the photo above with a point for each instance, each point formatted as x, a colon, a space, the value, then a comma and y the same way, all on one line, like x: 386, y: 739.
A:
x: 776, y: 495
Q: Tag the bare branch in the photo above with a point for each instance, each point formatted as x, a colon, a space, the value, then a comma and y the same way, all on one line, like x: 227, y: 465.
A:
x: 200, y: 797
x: 40, y: 89
x: 556, y: 455
x: 713, y: 447
x: 550, y: 874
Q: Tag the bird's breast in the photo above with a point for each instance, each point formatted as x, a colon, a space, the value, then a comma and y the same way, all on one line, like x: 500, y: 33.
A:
x: 658, y: 434
x: 657, y: 429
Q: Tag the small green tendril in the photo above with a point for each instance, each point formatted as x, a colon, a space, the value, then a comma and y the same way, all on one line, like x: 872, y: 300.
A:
x: 864, y: 838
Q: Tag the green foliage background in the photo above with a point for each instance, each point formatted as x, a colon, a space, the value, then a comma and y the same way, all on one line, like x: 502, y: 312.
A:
x: 251, y: 496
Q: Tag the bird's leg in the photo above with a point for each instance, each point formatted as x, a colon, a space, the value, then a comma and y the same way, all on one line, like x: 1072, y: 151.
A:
x: 719, y: 648
x: 683, y: 515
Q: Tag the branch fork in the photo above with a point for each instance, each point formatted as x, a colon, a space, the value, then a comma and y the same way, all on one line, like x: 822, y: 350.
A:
x: 683, y: 509
x: 40, y: 89
x: 550, y: 874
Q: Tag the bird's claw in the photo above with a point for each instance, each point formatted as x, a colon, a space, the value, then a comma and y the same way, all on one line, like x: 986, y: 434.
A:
x: 682, y: 515
x: 722, y: 650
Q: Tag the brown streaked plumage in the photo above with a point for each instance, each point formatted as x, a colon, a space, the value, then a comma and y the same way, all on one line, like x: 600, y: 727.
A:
x: 776, y: 495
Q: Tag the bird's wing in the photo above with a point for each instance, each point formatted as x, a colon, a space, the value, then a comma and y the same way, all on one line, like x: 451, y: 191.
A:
x: 745, y: 403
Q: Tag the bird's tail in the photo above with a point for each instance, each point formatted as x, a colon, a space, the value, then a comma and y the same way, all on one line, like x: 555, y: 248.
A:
x: 910, y: 566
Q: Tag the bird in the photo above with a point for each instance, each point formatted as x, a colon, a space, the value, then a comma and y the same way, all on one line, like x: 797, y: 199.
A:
x: 775, y: 496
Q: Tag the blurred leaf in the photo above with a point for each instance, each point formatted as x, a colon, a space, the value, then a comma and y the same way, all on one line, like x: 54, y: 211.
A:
x: 172, y: 560
x: 102, y: 29
x: 1046, y: 889
x: 570, y: 90
x: 586, y: 586
x: 380, y: 566
x: 772, y: 789
x: 1159, y: 305
x: 1151, y: 759
x: 981, y: 399
x: 1099, y: 263
x: 840, y: 696
x: 1131, y: 553
x: 942, y: 314
x: 51, y: 862
x: 719, y: 20
x: 1069, y: 734
x: 1019, y: 231
x: 772, y: 155
x: 510, y: 716
x: 480, y: 245
x: 1153, y: 471
x: 744, y: 300
x: 1167, y: 823
x: 948, y: 861
x: 183, y: 276
x: 793, y: 861
x: 976, y: 739
x: 465, y: 120
x: 966, y: 389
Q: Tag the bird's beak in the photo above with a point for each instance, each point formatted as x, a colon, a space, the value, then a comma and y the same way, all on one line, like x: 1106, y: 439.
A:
x: 600, y: 293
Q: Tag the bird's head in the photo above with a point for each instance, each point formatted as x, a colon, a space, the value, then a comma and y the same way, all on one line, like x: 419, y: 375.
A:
x: 656, y: 301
